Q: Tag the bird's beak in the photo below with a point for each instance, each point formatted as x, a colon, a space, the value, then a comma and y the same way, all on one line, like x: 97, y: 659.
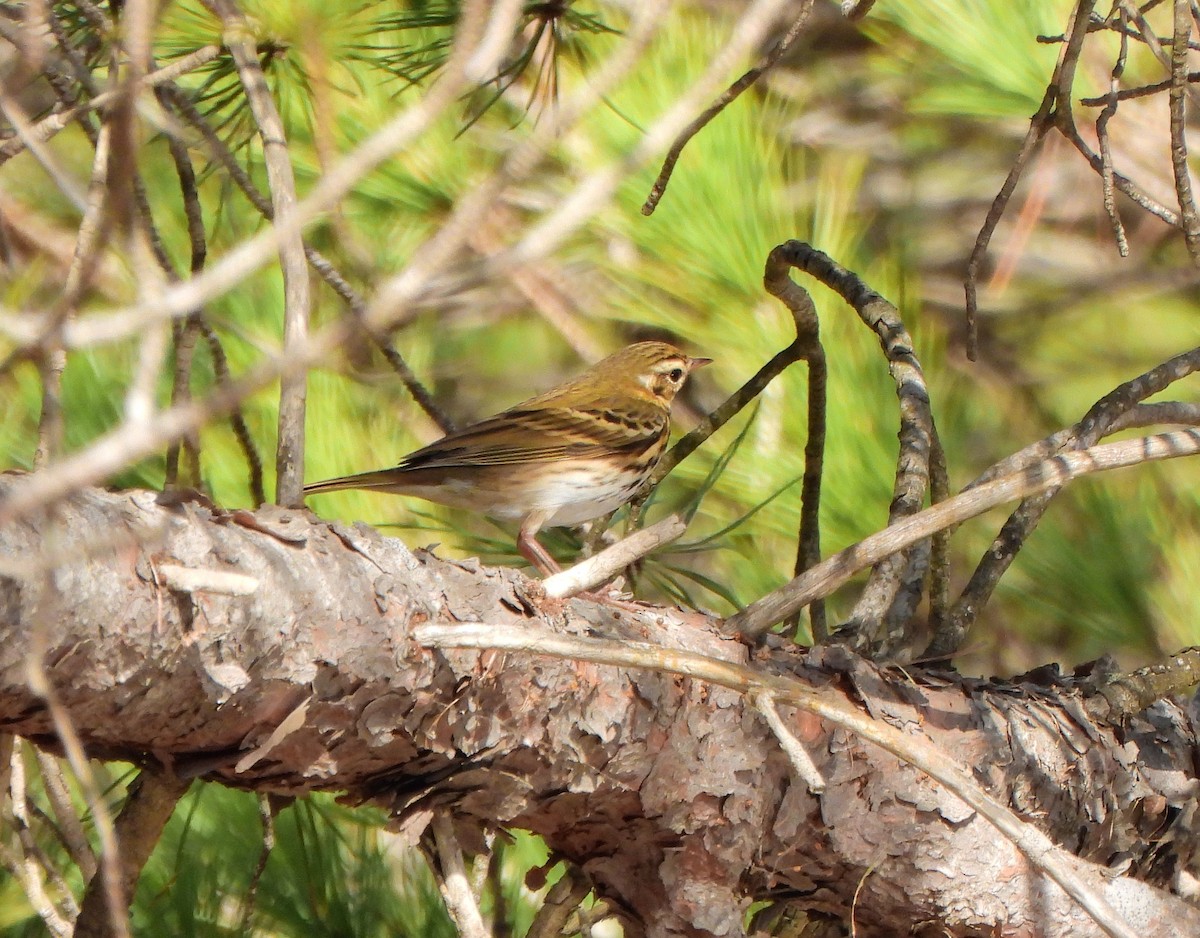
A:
x: 694, y: 363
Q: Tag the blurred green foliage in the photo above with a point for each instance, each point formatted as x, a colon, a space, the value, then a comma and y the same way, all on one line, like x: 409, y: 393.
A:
x: 884, y: 153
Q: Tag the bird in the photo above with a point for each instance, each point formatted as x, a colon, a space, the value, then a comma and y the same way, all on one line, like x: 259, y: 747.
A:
x: 566, y: 456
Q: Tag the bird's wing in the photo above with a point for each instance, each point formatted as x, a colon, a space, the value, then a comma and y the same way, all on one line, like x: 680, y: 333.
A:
x: 525, y: 435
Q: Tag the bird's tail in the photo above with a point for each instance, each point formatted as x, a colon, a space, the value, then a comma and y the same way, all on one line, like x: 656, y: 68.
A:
x: 381, y: 480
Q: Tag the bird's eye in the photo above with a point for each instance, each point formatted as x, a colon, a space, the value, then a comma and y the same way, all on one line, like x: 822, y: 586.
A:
x: 676, y: 374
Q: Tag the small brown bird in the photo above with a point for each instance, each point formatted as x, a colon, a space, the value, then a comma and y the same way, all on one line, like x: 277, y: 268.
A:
x: 574, y: 453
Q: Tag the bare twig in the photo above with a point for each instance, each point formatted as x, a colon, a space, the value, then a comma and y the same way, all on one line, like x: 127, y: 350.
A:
x: 801, y: 761
x: 729, y: 95
x: 453, y: 881
x: 808, y: 347
x: 358, y: 307
x: 27, y: 869
x: 1188, y: 217
x: 52, y: 123
x: 757, y: 618
x: 266, y: 813
x: 600, y: 567
x: 561, y: 900
x: 1106, y: 168
x: 1057, y: 98
x: 917, y: 438
x: 149, y: 805
x: 289, y: 453
x: 65, y: 815
x: 1038, y: 848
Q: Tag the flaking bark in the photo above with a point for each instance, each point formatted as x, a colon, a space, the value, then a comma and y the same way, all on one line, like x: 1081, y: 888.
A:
x: 671, y: 795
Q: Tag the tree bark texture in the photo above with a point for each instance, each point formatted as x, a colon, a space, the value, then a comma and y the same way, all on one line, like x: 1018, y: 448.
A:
x: 670, y: 794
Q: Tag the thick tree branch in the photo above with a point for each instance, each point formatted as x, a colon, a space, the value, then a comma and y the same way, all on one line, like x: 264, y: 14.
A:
x: 672, y: 796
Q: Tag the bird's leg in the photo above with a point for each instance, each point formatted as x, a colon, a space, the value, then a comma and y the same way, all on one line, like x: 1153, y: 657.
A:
x: 535, y: 553
x: 531, y: 550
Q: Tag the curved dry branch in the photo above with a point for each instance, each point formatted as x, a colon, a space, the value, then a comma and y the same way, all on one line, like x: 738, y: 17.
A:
x: 1100, y: 420
x: 917, y: 440
x: 760, y: 616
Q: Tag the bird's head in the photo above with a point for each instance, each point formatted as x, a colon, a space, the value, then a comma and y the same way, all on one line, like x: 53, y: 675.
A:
x: 654, y: 369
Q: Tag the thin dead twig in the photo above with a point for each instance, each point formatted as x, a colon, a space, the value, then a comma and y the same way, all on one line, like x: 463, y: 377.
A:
x: 289, y: 453
x: 1106, y: 167
x: 1189, y: 218
x: 802, y: 762
x: 729, y: 95
x: 590, y: 573
x: 266, y: 814
x: 1057, y: 98
x: 453, y: 881
x: 29, y: 866
x: 65, y: 815
x: 149, y: 804
x: 917, y: 434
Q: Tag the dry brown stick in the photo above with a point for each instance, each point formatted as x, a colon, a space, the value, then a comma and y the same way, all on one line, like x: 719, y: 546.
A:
x: 1188, y: 216
x: 266, y: 813
x: 1094, y: 425
x: 1150, y: 39
x: 93, y: 229
x: 237, y: 420
x: 1036, y: 846
x: 1157, y: 413
x: 1040, y: 123
x: 1126, y: 185
x: 1141, y: 91
x: 66, y: 817
x: 297, y: 305
x: 808, y: 541
x: 590, y: 573
x: 53, y: 123
x: 196, y: 323
x: 453, y: 881
x: 798, y: 756
x: 186, y: 332
x: 27, y: 869
x: 760, y: 616
x: 561, y: 900
x: 148, y: 806
x: 1106, y: 167
x: 729, y: 95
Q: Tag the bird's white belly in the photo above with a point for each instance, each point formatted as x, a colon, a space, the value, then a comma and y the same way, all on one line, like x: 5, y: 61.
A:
x: 580, y: 496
